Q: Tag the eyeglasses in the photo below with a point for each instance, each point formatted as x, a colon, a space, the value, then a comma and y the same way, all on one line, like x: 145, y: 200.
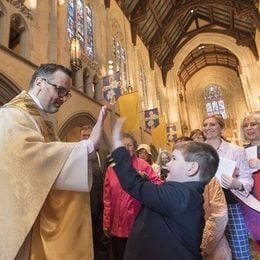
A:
x: 62, y: 92
x: 252, y: 125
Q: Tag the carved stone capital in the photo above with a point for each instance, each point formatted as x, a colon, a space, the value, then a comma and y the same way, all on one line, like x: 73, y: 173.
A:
x: 91, y: 64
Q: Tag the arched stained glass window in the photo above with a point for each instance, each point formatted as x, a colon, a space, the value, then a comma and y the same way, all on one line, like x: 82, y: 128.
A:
x: 80, y: 23
x: 120, y: 60
x: 214, y: 101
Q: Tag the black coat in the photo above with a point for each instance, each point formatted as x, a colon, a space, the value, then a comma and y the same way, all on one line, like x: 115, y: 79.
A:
x: 171, y: 221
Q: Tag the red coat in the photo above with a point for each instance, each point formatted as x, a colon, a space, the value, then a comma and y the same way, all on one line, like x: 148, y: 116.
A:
x: 120, y: 209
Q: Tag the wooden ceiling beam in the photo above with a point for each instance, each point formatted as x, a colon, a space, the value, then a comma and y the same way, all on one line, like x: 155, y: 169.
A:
x: 151, y: 59
x: 139, y: 13
x: 245, y: 39
x: 211, y: 14
x: 133, y: 33
x: 217, y: 53
x: 165, y: 68
x: 181, y: 26
x: 196, y: 19
x: 202, y: 30
x: 107, y: 3
x: 179, y: 10
x: 220, y: 23
x: 154, y: 48
x: 199, y: 30
x: 232, y: 22
x: 185, y: 80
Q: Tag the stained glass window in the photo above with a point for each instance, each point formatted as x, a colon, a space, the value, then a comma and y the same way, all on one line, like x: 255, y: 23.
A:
x: 80, y: 22
x: 214, y: 101
x: 90, y: 41
x: 120, y: 60
x: 71, y: 18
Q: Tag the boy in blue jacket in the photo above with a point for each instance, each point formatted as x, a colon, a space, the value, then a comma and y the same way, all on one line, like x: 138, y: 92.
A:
x: 171, y: 221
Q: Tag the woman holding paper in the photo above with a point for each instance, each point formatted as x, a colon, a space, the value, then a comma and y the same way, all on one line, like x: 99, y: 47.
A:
x: 236, y: 186
x: 250, y: 131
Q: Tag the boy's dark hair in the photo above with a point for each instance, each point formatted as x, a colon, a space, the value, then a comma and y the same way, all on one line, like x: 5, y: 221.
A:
x: 204, y: 154
x: 46, y: 70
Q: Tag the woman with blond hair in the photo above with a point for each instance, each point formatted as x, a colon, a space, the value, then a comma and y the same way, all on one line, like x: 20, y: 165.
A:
x: 250, y: 131
x: 237, y: 186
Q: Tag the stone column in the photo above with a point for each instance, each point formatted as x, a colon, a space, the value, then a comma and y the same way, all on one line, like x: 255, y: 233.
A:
x: 53, y: 31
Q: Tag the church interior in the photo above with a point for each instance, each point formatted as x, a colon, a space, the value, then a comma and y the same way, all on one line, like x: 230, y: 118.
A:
x: 164, y: 64
x: 185, y: 59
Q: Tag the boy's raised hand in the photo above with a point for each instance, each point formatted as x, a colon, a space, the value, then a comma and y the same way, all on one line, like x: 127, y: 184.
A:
x: 117, y: 133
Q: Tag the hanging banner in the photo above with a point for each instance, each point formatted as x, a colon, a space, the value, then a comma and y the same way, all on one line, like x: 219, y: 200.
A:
x: 112, y: 88
x: 151, y: 118
x: 171, y: 133
x: 159, y: 134
x: 129, y: 107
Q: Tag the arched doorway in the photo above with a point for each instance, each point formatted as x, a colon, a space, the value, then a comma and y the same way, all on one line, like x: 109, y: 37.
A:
x: 70, y: 132
x: 8, y: 90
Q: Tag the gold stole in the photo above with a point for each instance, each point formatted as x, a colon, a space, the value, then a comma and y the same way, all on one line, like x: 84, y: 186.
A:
x: 63, y: 228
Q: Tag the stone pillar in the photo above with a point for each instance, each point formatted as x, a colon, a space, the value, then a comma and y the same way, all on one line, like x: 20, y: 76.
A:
x: 53, y: 31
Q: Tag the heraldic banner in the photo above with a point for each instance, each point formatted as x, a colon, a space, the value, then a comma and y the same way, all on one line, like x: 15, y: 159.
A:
x: 151, y: 118
x: 112, y: 88
x: 129, y: 107
x: 159, y: 134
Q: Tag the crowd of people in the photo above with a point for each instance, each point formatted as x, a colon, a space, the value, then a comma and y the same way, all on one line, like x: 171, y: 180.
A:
x: 56, y: 196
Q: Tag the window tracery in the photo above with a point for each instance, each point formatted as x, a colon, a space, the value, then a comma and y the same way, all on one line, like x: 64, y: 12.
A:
x: 214, y: 101
x: 120, y: 60
x: 80, y: 24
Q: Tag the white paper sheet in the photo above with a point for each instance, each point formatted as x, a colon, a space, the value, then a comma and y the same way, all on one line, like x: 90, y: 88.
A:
x: 226, y: 166
x: 251, y: 152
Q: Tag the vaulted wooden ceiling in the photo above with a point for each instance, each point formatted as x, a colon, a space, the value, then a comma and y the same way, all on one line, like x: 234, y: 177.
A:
x: 165, y: 26
x: 206, y: 55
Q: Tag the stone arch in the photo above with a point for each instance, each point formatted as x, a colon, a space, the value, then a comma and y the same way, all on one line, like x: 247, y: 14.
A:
x: 18, y: 34
x: 243, y: 54
x: 77, y: 120
x: 73, y: 124
x: 247, y: 63
x: 8, y: 89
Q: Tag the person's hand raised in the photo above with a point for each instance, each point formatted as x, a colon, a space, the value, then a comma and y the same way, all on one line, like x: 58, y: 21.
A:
x: 97, y: 129
x: 117, y: 133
